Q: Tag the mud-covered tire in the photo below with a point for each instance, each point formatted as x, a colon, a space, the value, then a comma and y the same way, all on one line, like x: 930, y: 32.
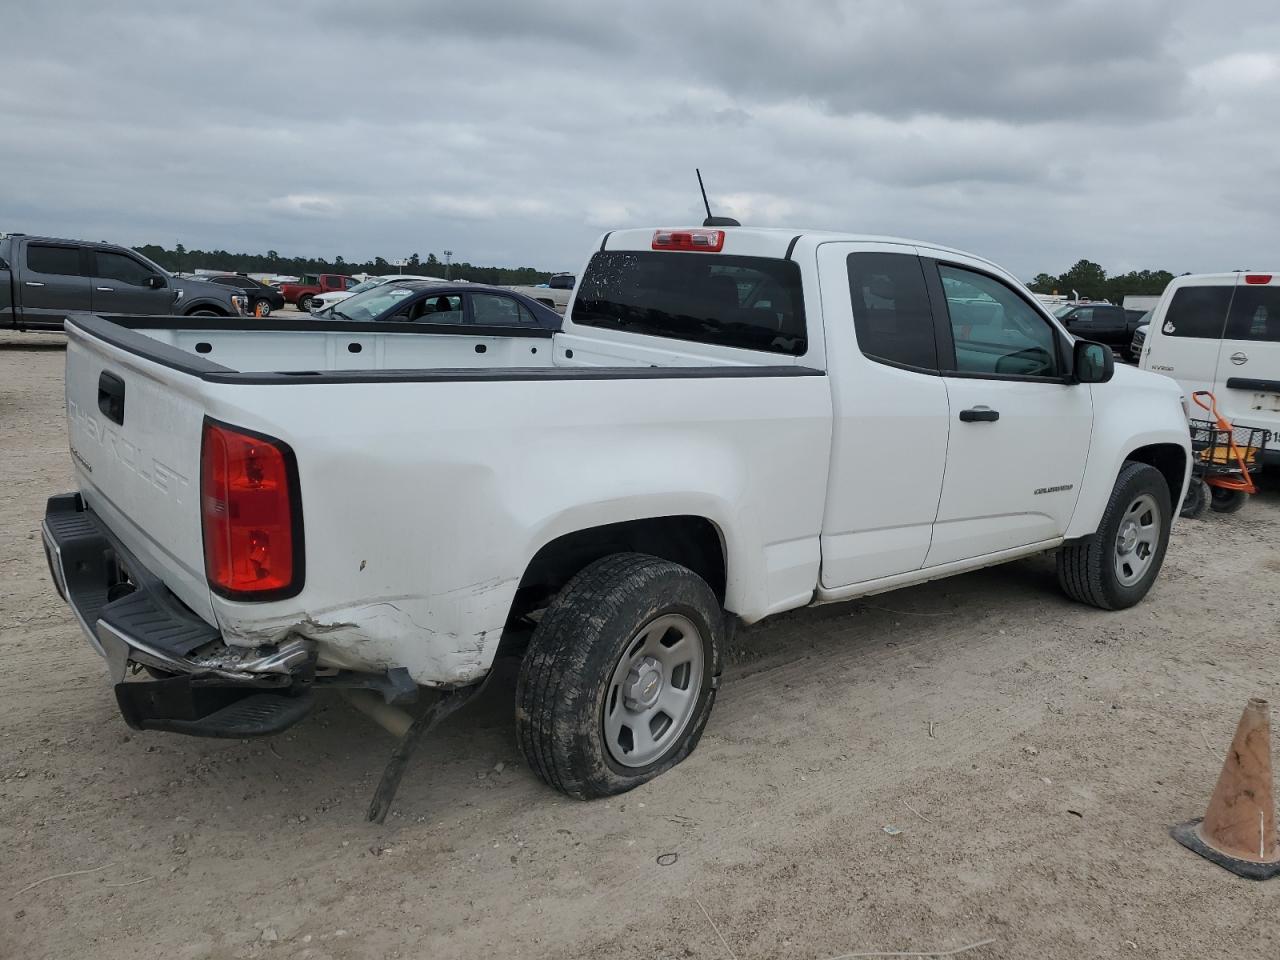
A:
x: 1226, y: 501
x: 568, y: 671
x: 1196, y: 501
x: 1087, y: 568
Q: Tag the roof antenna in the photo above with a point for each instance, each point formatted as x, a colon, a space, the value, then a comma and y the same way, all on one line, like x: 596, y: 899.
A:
x: 713, y: 221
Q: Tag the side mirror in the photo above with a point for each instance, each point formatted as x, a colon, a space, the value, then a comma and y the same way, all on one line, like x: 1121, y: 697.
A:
x: 1092, y: 362
x: 153, y: 282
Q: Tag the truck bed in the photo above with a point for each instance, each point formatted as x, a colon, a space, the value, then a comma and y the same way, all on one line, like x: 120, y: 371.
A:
x: 251, y: 350
x: 431, y: 472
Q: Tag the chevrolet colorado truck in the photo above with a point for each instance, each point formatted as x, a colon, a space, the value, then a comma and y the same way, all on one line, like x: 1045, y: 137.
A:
x: 732, y: 423
x: 43, y: 280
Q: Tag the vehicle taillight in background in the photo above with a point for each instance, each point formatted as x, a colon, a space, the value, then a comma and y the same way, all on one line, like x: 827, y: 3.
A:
x: 251, y: 511
x: 707, y: 241
x: 1257, y: 278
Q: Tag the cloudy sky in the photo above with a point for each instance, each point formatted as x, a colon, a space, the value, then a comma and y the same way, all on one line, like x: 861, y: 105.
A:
x: 1133, y: 132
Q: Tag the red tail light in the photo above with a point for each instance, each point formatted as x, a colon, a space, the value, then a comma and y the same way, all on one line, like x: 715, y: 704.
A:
x: 1257, y: 278
x: 706, y: 241
x: 252, y: 514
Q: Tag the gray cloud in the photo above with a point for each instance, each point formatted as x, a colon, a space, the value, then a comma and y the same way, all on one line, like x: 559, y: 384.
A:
x: 1140, y: 134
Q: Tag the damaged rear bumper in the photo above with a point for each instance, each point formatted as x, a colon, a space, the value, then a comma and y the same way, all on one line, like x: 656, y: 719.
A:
x: 198, y: 685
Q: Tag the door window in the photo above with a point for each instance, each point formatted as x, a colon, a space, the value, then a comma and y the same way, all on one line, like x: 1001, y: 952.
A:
x: 891, y: 313
x: 1197, y: 312
x: 438, y: 309
x: 996, y: 332
x: 59, y: 261
x: 495, y: 311
x: 1083, y: 315
x: 1255, y: 314
x: 116, y: 266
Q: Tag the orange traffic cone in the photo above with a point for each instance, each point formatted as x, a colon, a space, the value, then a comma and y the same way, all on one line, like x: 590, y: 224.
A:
x: 1238, y: 830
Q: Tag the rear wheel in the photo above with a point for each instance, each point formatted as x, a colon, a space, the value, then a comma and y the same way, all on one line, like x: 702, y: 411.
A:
x: 305, y: 303
x: 1227, y: 501
x: 620, y: 675
x: 1116, y: 567
x: 1196, y: 501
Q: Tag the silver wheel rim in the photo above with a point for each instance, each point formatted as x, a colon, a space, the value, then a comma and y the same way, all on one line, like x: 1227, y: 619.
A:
x: 1137, y: 540
x: 653, y: 691
x: 266, y: 309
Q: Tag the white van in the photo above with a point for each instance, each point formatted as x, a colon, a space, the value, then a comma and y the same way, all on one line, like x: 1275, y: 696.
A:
x: 1221, y: 332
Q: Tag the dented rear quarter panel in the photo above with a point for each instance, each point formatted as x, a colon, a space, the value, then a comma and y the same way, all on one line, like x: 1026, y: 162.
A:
x: 424, y: 502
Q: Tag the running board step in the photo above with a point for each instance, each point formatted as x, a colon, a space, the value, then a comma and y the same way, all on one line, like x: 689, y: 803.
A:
x: 177, y: 705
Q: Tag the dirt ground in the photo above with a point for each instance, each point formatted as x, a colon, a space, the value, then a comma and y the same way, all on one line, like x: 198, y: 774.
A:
x: 1032, y: 752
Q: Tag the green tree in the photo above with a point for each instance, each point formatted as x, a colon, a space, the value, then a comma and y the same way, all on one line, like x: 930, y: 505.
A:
x: 1086, y: 278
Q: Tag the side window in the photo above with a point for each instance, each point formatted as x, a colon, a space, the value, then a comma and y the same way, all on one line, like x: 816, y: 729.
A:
x: 1255, y: 314
x: 1083, y: 315
x: 60, y: 261
x: 116, y: 266
x: 439, y: 309
x: 891, y: 313
x: 348, y: 283
x: 1197, y: 312
x: 488, y: 309
x: 995, y: 330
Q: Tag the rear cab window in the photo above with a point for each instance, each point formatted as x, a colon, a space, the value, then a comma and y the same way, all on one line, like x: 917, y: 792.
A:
x: 751, y: 303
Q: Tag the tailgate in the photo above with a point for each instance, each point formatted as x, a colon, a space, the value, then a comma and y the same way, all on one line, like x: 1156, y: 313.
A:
x: 135, y: 427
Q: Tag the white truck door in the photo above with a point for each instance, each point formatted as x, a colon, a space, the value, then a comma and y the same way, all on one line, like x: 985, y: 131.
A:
x: 1184, y: 337
x: 1247, y: 384
x: 889, y: 436
x: 1019, y: 433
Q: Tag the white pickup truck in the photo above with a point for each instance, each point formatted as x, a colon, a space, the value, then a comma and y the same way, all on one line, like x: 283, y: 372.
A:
x: 732, y: 423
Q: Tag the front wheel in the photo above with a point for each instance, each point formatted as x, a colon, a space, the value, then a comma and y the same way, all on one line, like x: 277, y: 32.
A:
x: 620, y: 675
x: 262, y: 308
x: 1227, y: 501
x: 1116, y: 567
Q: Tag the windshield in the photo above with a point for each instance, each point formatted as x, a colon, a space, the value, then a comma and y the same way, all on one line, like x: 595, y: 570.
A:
x: 372, y: 303
x: 1063, y: 310
x: 368, y: 284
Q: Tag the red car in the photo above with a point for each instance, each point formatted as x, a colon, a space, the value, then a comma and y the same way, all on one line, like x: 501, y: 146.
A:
x: 311, y: 284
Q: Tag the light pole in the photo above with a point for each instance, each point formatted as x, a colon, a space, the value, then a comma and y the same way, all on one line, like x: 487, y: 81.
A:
x: 447, y: 267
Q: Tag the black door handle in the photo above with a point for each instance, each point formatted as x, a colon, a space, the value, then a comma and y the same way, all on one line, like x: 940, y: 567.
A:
x: 111, y: 397
x: 979, y: 415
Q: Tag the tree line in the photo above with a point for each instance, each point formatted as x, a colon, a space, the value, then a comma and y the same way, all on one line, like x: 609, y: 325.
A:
x: 1090, y: 281
x: 180, y: 259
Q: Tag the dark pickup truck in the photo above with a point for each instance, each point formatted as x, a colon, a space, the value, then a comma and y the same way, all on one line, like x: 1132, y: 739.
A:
x: 43, y: 279
x: 1100, y: 322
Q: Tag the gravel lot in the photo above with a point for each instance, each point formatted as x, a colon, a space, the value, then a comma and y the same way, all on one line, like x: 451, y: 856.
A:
x: 1064, y: 742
